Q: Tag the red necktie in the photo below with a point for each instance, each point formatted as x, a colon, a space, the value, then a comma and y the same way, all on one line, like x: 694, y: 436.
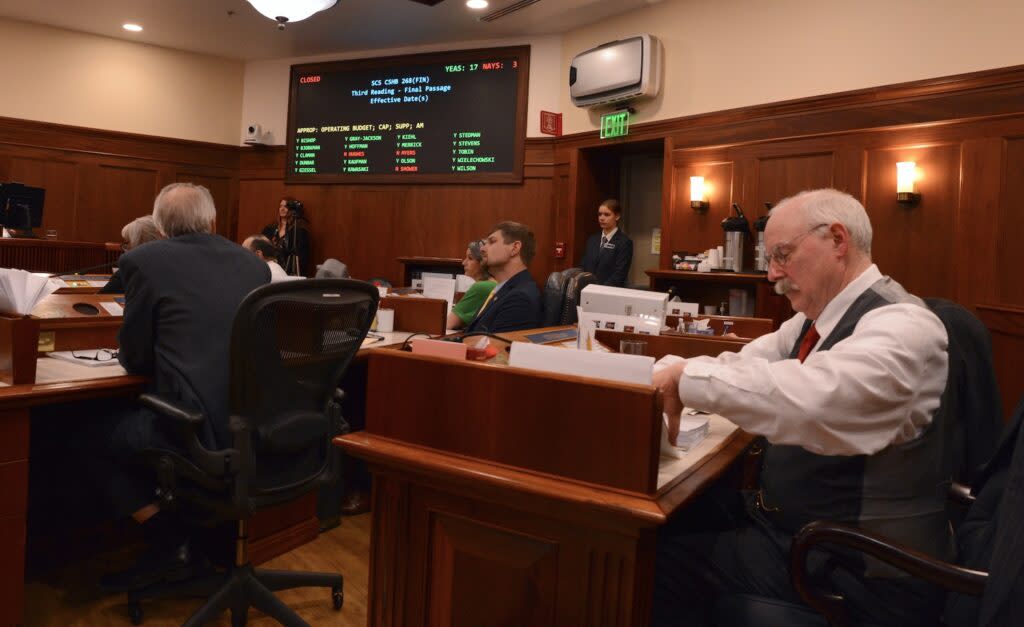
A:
x: 810, y: 339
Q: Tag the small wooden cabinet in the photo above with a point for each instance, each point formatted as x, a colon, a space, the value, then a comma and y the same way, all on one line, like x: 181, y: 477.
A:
x: 712, y: 288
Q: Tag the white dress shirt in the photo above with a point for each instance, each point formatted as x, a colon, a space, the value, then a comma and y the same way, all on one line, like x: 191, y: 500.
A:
x: 877, y: 387
x: 277, y: 273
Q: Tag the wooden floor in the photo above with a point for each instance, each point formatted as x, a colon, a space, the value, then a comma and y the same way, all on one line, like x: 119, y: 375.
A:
x: 69, y: 597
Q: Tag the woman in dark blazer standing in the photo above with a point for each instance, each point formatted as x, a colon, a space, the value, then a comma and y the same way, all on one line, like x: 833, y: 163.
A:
x: 609, y: 253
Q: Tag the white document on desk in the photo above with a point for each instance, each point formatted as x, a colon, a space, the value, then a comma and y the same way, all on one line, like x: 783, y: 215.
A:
x: 113, y: 308
x: 443, y: 289
x: 20, y: 291
x: 606, y: 366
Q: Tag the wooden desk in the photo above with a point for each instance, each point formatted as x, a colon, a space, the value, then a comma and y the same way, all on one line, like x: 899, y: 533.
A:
x: 512, y: 497
x: 711, y: 288
x: 684, y: 345
x: 413, y: 267
x: 418, y: 314
x: 45, y: 255
x: 16, y: 402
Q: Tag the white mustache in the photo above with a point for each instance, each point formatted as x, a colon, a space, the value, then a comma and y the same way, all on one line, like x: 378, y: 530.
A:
x: 783, y: 286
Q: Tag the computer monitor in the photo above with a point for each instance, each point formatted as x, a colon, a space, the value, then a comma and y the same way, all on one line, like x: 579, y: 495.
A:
x: 21, y: 206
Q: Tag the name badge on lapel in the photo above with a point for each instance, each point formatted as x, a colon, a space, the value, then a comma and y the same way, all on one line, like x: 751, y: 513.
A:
x: 609, y: 246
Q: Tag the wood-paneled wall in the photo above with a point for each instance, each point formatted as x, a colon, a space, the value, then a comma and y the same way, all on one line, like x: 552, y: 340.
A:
x: 369, y: 226
x: 962, y: 241
x: 97, y: 181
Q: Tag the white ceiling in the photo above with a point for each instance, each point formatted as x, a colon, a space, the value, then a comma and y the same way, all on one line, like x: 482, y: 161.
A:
x: 233, y: 29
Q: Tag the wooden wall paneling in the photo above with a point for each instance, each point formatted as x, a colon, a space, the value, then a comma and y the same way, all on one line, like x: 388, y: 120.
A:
x: 1007, y: 327
x: 916, y: 244
x: 60, y: 180
x: 694, y: 231
x: 781, y: 176
x: 669, y: 193
x: 113, y: 195
x: 979, y: 237
x: 1010, y: 225
x: 258, y: 200
x: 223, y: 189
x: 560, y: 206
x: 372, y: 223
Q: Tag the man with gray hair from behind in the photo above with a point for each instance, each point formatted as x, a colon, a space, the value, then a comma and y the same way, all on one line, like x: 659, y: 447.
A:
x: 845, y: 394
x: 181, y: 294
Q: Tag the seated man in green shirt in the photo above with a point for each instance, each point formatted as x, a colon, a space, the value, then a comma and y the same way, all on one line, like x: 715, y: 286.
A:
x: 466, y: 309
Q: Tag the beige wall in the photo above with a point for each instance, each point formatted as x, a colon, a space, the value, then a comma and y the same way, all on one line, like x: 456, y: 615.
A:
x: 723, y: 54
x: 65, y: 77
x: 265, y: 100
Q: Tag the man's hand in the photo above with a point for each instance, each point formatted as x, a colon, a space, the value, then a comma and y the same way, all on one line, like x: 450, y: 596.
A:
x: 666, y: 381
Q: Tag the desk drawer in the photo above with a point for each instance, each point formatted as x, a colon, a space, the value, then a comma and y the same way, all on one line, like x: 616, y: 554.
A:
x: 14, y: 488
x: 14, y: 427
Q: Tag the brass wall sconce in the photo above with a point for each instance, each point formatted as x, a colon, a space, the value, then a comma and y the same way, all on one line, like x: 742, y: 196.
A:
x: 697, y: 200
x: 906, y: 174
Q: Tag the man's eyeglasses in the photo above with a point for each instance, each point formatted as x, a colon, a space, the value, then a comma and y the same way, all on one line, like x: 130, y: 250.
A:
x: 103, y: 354
x: 780, y: 253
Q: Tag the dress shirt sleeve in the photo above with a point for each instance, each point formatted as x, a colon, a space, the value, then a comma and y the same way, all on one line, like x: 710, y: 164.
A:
x: 878, y: 386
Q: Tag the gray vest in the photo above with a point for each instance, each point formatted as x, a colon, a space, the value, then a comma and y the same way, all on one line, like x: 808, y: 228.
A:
x: 899, y: 492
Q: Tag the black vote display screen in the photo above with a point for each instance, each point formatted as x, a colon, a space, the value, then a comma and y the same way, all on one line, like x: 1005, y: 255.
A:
x: 440, y: 117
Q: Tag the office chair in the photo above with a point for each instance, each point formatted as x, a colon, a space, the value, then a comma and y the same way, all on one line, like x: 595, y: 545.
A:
x: 985, y: 583
x: 554, y: 295
x: 290, y: 345
x: 573, y: 295
x: 971, y: 421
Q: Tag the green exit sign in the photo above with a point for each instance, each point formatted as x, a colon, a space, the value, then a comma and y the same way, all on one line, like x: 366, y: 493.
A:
x: 615, y: 124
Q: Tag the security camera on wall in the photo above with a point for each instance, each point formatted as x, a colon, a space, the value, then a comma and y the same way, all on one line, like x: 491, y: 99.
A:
x: 254, y: 135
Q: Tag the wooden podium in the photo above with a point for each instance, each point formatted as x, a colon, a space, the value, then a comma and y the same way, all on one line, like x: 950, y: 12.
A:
x: 510, y: 497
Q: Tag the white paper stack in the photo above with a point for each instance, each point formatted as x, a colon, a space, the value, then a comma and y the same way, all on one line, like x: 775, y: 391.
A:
x: 441, y: 288
x: 693, y: 428
x: 20, y: 291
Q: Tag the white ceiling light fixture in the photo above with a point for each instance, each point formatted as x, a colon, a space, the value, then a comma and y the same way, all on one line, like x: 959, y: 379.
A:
x: 135, y: 28
x: 285, y: 11
x: 476, y: 4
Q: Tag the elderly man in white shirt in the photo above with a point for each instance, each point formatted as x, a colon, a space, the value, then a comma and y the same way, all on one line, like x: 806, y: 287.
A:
x: 845, y: 393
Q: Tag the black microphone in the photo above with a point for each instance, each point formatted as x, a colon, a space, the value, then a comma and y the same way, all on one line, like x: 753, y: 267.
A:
x: 81, y: 270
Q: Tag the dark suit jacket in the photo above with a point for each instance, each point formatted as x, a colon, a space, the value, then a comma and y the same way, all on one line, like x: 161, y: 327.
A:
x: 180, y: 300
x: 514, y: 307
x: 609, y: 264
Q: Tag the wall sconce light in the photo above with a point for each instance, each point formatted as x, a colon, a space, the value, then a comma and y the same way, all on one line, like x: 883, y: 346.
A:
x: 906, y: 172
x: 697, y: 200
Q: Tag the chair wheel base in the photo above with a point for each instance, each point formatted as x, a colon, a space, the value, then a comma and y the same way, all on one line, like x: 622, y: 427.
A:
x: 135, y: 613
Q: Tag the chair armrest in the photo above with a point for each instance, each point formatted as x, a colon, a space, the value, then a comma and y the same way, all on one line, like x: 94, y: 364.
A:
x: 170, y: 410
x: 185, y: 426
x: 819, y: 533
x: 959, y: 493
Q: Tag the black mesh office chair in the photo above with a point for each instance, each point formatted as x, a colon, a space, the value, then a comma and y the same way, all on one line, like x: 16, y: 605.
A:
x: 290, y: 345
x: 554, y: 295
x: 573, y: 296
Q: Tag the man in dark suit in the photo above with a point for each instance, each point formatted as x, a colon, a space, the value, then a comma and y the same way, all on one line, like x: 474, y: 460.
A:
x: 609, y: 253
x: 514, y: 304
x: 181, y: 294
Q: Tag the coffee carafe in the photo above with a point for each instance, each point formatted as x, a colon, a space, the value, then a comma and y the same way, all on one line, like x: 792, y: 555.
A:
x: 760, y: 263
x: 736, y: 228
